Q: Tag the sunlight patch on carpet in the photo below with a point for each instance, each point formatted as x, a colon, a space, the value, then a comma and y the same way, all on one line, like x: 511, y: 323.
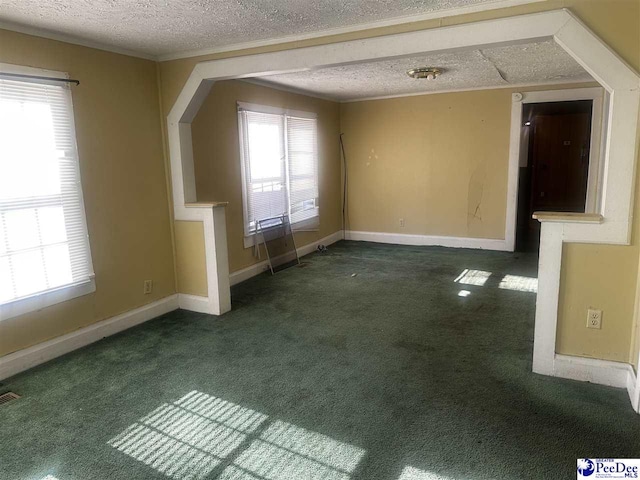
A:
x: 412, y: 473
x: 473, y: 277
x: 191, y: 437
x: 519, y: 283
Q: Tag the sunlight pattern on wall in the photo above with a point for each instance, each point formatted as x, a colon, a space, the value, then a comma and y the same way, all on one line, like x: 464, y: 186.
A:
x: 518, y: 283
x: 473, y: 277
x: 198, y: 434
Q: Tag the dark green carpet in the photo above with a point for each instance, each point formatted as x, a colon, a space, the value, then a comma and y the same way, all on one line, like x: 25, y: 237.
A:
x: 318, y: 374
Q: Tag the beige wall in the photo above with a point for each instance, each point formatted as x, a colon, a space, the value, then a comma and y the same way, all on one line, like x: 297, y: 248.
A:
x: 439, y: 162
x: 121, y: 163
x: 191, y: 264
x: 617, y: 276
x: 216, y: 155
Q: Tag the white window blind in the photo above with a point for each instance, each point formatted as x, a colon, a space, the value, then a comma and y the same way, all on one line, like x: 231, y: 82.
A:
x: 43, y: 234
x: 279, y: 165
x: 303, y: 168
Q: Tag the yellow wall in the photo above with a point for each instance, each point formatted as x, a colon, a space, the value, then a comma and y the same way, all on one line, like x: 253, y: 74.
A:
x: 439, y: 162
x: 216, y: 155
x: 635, y: 340
x: 612, y: 267
x: 191, y: 265
x: 121, y: 163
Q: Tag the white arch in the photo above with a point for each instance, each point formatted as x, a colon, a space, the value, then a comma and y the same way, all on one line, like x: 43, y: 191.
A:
x: 612, y: 226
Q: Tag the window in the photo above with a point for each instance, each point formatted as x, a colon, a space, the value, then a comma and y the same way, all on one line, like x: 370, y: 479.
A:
x: 44, y: 248
x: 279, y: 165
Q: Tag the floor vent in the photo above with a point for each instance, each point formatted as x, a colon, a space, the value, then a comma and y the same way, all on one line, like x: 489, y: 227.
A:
x: 8, y: 397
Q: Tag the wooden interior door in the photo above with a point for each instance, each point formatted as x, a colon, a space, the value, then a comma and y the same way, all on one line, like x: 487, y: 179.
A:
x: 560, y: 162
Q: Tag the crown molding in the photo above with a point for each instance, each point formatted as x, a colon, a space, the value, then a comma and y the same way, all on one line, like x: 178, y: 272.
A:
x: 546, y: 83
x: 61, y: 37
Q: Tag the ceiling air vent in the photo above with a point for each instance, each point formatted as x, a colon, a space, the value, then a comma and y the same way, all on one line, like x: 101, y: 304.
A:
x: 8, y: 397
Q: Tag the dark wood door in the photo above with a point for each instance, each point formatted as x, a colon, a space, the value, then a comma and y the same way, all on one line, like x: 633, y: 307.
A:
x: 560, y: 163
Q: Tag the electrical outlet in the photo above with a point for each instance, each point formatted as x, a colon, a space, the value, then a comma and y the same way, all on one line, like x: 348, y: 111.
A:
x: 594, y: 318
x: 402, y: 222
x: 148, y: 287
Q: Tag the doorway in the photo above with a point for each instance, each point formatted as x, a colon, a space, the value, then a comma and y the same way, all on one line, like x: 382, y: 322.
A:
x: 554, y: 164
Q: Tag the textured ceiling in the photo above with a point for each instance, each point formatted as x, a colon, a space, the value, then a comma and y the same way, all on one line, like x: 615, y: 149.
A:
x: 542, y: 62
x: 165, y: 27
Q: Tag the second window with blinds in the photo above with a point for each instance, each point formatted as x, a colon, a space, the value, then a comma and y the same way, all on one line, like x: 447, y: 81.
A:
x: 279, y: 157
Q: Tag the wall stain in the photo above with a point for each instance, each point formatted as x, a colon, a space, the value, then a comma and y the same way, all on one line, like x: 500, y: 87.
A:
x: 475, y: 193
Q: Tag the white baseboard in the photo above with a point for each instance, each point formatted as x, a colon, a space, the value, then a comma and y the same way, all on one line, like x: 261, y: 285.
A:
x: 257, y: 268
x: 602, y: 372
x: 240, y: 276
x: 194, y: 303
x: 633, y: 389
x: 427, y: 240
x: 43, y: 352
x: 313, y: 246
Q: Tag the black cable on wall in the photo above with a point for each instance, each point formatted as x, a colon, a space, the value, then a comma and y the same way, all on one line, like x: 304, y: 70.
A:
x: 344, y: 184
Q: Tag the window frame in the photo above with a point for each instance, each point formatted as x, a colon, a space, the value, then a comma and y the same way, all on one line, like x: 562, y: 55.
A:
x: 40, y: 300
x: 309, y: 224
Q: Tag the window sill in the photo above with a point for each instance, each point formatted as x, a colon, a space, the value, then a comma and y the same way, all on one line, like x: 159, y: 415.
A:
x: 206, y: 204
x: 45, y: 299
x: 567, y: 217
x: 309, y: 225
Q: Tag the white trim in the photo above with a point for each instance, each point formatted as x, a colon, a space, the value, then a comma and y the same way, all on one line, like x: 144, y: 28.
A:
x: 546, y: 321
x: 496, y: 4
x: 307, y: 225
x: 311, y: 219
x: 216, y: 255
x: 194, y: 303
x: 41, y: 300
x: 24, y: 70
x: 259, y: 108
x: 62, y: 37
x: 602, y: 372
x: 633, y: 385
x: 632, y: 389
x: 428, y: 240
x: 22, y: 360
x: 595, y: 94
x: 459, y: 90
x: 256, y: 269
x: 263, y: 82
x: 246, y: 273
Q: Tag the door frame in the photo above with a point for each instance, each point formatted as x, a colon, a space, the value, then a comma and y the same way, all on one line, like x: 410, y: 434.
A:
x: 596, y: 149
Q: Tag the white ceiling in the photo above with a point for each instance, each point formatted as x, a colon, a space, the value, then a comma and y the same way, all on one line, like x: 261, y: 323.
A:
x: 161, y: 28
x: 524, y: 64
